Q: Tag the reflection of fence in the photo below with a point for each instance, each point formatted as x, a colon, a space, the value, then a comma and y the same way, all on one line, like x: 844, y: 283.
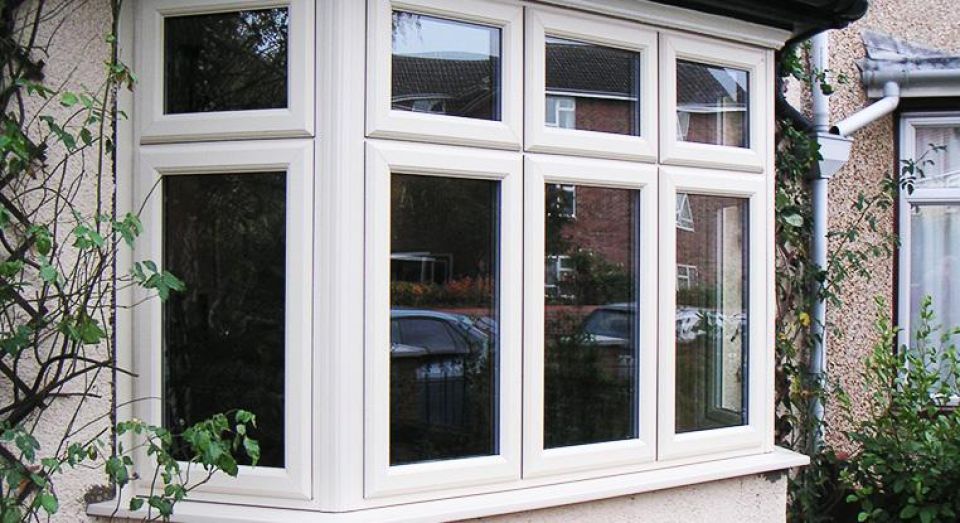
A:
x: 431, y: 391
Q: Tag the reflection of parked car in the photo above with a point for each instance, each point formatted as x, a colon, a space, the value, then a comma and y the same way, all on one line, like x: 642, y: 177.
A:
x: 610, y: 325
x: 432, y: 355
x: 421, y: 332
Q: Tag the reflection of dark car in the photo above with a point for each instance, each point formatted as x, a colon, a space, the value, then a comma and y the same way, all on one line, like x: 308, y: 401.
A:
x: 610, y: 325
x: 433, y: 355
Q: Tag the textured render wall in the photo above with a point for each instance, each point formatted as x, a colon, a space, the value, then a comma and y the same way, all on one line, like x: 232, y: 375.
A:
x: 935, y: 23
x: 74, y: 32
x: 757, y: 499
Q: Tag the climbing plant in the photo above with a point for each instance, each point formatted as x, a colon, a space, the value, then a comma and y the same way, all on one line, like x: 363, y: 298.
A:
x: 59, y: 244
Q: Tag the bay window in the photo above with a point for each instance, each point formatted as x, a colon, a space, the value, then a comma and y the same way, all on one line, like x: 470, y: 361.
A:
x: 522, y: 248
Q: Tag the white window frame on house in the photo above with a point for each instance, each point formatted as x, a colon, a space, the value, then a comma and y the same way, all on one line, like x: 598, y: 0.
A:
x: 294, y: 158
x: 340, y: 278
x: 384, y: 122
x: 296, y: 120
x: 614, y: 456
x: 920, y: 196
x: 757, y: 63
x: 387, y: 158
x: 562, y: 104
x: 542, y: 23
x: 752, y: 437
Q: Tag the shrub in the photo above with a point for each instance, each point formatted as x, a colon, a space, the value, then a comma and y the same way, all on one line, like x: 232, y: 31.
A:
x: 908, y: 465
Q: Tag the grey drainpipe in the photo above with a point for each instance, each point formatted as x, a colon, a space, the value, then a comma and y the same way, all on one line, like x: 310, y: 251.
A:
x: 835, y: 147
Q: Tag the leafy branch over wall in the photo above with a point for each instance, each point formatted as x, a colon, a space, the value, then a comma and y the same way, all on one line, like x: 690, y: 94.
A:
x: 59, y: 245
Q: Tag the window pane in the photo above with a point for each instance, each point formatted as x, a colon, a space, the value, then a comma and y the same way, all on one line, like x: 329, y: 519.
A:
x: 599, y: 87
x: 712, y: 104
x: 590, y: 327
x: 445, y: 67
x: 935, y: 262
x: 945, y: 169
x: 712, y: 315
x: 224, y: 336
x: 226, y: 61
x: 443, y: 347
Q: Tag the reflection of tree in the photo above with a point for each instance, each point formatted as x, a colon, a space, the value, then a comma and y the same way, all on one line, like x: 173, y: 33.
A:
x: 224, y: 336
x: 226, y: 61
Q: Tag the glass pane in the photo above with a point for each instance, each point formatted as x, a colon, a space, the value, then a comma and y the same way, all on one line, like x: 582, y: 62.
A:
x: 712, y: 315
x: 443, y: 345
x: 592, y: 87
x: 591, y: 320
x: 945, y: 169
x: 445, y: 67
x: 712, y: 104
x: 935, y: 262
x: 224, y: 336
x: 226, y: 61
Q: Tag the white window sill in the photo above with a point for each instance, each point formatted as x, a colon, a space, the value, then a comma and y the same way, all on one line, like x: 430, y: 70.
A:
x: 490, y: 504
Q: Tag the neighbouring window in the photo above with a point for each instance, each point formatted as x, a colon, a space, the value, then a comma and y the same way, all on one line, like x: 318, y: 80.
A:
x: 223, y: 337
x: 230, y: 61
x: 712, y: 104
x: 931, y: 220
x: 603, y: 81
x: 445, y: 66
x: 561, y: 112
x: 712, y: 317
x: 590, y: 328
x: 443, y: 344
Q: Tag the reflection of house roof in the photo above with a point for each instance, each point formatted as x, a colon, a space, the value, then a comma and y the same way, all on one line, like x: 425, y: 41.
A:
x: 571, y: 68
x: 439, y: 78
x: 696, y: 85
x: 591, y: 69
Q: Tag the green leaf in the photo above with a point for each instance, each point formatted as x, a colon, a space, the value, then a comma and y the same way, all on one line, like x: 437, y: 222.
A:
x: 794, y: 219
x: 908, y: 512
x: 69, y: 99
x: 48, y: 273
x: 136, y: 504
x: 49, y: 503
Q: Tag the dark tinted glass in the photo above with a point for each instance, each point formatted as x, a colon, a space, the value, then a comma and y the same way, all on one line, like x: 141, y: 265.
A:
x: 712, y: 104
x: 590, y: 328
x: 226, y: 61
x: 712, y: 315
x: 592, y: 87
x: 444, y: 347
x: 224, y: 336
x: 445, y: 67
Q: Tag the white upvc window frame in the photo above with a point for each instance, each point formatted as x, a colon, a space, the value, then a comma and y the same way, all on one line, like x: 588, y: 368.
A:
x: 920, y: 196
x: 296, y: 120
x: 384, y: 122
x: 542, y: 23
x: 294, y: 157
x: 614, y: 456
x: 756, y: 62
x: 752, y: 437
x: 384, y: 159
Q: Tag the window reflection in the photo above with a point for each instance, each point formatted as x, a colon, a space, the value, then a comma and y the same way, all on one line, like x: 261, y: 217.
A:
x: 592, y: 87
x: 445, y: 67
x: 712, y: 104
x: 224, y: 335
x: 590, y: 327
x: 712, y: 315
x: 444, y: 340
x: 226, y: 61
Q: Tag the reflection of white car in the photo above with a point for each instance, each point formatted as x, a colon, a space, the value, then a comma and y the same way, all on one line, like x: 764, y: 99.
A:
x: 610, y: 325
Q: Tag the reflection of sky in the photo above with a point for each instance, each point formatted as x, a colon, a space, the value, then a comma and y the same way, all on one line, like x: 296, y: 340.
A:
x: 424, y: 35
x: 730, y: 79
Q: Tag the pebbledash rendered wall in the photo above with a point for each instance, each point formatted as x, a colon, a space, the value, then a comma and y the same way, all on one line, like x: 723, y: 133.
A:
x: 77, y: 52
x: 933, y: 23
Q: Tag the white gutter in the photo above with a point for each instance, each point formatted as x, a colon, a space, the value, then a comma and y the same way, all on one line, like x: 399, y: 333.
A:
x: 835, y: 147
x: 867, y: 115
